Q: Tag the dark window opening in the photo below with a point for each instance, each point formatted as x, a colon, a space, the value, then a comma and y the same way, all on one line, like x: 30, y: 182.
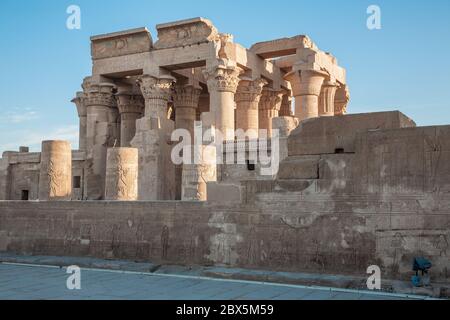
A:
x: 339, y: 150
x: 25, y: 195
x: 77, y: 182
x: 250, y: 166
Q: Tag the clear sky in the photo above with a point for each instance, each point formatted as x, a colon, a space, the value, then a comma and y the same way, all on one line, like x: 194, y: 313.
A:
x: 404, y: 66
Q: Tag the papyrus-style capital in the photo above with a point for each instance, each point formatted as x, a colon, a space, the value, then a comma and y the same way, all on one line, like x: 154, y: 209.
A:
x: 156, y: 88
x: 101, y: 94
x: 249, y: 91
x: 130, y: 103
x: 327, y: 97
x: 341, y: 100
x: 223, y: 78
x: 186, y: 96
x: 286, y: 104
x: 271, y: 99
x: 80, y: 103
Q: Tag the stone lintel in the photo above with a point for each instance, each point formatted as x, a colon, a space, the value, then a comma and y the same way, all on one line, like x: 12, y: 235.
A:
x: 121, y: 43
x: 185, y: 32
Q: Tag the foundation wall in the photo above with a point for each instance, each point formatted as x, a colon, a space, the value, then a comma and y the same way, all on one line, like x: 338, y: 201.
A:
x: 310, y: 233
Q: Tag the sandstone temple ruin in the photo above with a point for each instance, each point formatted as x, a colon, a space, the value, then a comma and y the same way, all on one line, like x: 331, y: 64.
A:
x: 350, y: 191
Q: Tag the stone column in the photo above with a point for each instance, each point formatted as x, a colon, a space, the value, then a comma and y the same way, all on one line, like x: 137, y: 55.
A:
x: 222, y: 83
x: 197, y: 175
x: 100, y: 133
x: 131, y: 108
x: 55, y: 178
x: 99, y: 100
x: 122, y: 174
x: 156, y: 171
x: 326, y: 99
x: 306, y: 87
x: 185, y: 99
x: 82, y: 115
x: 341, y: 100
x: 157, y: 93
x: 203, y: 105
x: 269, y: 106
x: 247, y: 100
x: 286, y: 105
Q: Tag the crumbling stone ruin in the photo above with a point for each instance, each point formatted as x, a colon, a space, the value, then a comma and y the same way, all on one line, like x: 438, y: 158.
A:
x: 350, y: 190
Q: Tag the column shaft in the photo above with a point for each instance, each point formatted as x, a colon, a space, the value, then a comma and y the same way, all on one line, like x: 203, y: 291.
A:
x: 100, y: 133
x: 156, y: 179
x: 269, y: 107
x: 55, y: 179
x: 222, y: 83
x: 247, y: 99
x: 79, y: 101
x: 131, y: 108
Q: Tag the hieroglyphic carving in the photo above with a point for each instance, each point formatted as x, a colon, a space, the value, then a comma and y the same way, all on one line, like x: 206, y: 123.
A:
x: 122, y: 174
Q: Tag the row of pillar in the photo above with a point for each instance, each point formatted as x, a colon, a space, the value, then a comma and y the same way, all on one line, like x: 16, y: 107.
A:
x: 140, y: 119
x: 256, y: 106
x: 316, y: 95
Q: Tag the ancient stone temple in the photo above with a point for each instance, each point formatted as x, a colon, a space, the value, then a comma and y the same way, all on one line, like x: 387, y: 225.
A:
x: 348, y: 191
x: 141, y: 90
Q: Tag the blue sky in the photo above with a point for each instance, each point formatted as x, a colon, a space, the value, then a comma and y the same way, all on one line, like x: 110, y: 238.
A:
x: 404, y: 66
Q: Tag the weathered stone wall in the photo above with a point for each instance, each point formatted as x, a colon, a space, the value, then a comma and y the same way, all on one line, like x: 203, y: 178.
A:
x: 384, y: 201
x: 317, y: 233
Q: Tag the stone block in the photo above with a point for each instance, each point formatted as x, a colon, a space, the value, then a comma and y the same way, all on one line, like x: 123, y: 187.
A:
x: 219, y: 193
x: 184, y: 33
x: 303, y: 167
x: 121, y: 43
x: 329, y: 135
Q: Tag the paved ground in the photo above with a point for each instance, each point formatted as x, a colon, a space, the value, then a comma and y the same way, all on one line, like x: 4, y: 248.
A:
x: 31, y: 282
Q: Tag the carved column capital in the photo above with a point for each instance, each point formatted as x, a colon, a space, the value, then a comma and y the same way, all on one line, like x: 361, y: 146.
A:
x: 286, y: 104
x: 327, y: 98
x: 156, y: 88
x: 186, y: 96
x: 341, y: 100
x: 306, y: 82
x: 222, y: 78
x: 249, y: 91
x: 99, y: 95
x: 271, y: 99
x: 80, y: 103
x: 130, y: 103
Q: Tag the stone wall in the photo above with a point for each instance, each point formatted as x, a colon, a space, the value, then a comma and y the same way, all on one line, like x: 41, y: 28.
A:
x: 315, y: 233
x: 384, y: 201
